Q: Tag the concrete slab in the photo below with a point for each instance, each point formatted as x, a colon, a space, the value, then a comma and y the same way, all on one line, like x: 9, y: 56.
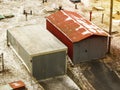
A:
x: 100, y: 76
x: 59, y: 83
x: 43, y: 42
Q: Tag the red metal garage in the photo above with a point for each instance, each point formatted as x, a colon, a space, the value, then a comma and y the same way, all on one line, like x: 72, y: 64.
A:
x: 85, y: 41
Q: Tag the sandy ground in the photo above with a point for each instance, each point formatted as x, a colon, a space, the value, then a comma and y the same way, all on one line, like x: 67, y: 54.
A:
x: 15, y: 69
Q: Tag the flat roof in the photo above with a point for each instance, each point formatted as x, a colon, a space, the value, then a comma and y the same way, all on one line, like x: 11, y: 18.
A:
x: 36, y: 40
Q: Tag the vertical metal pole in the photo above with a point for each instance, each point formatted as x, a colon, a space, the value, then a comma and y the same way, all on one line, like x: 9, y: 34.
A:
x: 75, y: 6
x: 26, y: 14
x: 90, y: 15
x: 102, y: 18
x: 7, y: 38
x: 31, y: 12
x: 2, y: 63
x: 43, y: 1
x: 110, y: 26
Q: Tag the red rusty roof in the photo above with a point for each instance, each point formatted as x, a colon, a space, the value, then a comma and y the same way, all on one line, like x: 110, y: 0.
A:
x: 17, y: 85
x: 74, y: 26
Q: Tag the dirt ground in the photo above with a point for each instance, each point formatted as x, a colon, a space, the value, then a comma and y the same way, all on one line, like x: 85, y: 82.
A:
x: 15, y: 70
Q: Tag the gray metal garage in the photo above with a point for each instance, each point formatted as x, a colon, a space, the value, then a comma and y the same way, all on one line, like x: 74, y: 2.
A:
x: 44, y: 55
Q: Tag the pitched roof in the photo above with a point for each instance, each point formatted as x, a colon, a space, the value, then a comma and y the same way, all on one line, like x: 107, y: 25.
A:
x: 74, y: 26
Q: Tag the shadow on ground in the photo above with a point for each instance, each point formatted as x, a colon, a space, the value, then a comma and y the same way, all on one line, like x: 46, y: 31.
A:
x: 59, y: 83
x: 100, y: 76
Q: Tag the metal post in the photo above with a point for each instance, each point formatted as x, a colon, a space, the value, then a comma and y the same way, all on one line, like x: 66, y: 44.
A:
x: 90, y: 15
x: 75, y: 6
x: 26, y: 13
x: 43, y: 1
x: 26, y: 16
x: 102, y: 18
x: 31, y: 12
x: 110, y: 26
x: 7, y: 39
x: 60, y: 7
x: 2, y: 62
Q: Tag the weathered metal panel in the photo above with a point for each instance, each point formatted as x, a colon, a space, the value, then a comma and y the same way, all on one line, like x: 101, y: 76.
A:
x: 19, y: 49
x: 74, y: 26
x: 49, y: 65
x: 98, y: 47
x: 71, y: 27
x: 94, y: 47
x: 18, y: 85
x: 61, y: 37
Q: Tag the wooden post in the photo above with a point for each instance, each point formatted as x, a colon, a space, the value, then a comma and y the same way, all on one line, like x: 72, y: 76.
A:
x: 31, y: 12
x: 42, y: 1
x: 110, y: 26
x: 76, y: 6
x: 90, y: 15
x: 60, y: 7
x: 7, y: 39
x: 24, y: 11
x: 102, y: 18
x: 26, y: 16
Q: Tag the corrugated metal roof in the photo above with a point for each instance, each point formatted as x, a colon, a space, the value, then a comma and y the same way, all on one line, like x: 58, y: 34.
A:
x: 74, y: 26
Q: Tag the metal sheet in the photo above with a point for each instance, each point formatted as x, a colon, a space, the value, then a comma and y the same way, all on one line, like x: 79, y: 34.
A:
x: 49, y: 65
x: 61, y: 37
x: 74, y: 26
x: 91, y: 48
x: 17, y: 85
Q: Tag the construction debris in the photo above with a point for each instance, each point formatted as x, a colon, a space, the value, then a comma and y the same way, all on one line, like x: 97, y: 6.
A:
x: 98, y: 8
x: 17, y: 85
x: 2, y: 17
x: 6, y: 16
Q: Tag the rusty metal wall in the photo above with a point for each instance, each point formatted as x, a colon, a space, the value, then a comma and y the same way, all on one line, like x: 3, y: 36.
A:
x: 49, y: 65
x: 94, y: 47
x: 54, y: 30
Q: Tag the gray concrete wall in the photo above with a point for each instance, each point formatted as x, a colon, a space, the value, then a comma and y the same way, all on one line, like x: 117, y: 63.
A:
x: 49, y: 65
x: 39, y: 49
x: 94, y: 47
x: 20, y: 50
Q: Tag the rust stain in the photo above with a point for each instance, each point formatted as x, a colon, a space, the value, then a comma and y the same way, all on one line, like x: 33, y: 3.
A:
x: 75, y: 26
